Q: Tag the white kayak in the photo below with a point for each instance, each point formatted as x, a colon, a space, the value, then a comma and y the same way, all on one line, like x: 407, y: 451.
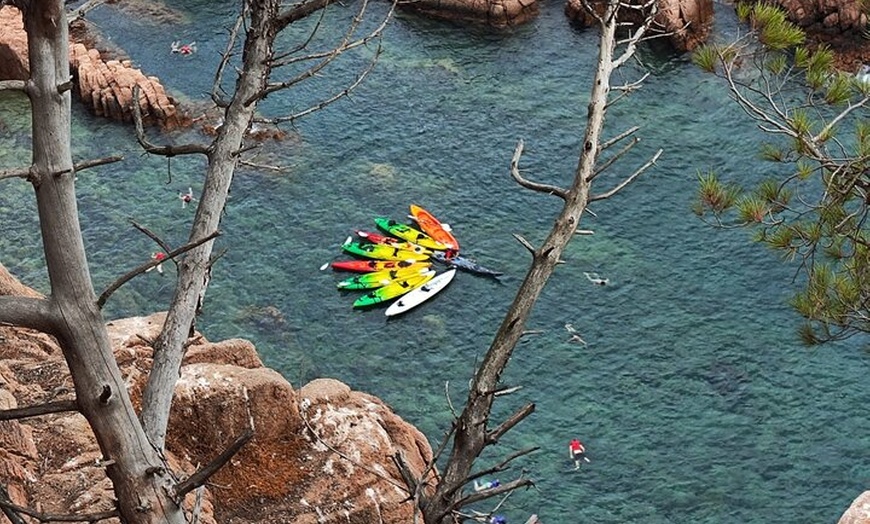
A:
x: 421, y: 294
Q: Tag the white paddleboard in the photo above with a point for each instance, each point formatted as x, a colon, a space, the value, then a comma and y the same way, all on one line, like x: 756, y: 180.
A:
x: 417, y: 296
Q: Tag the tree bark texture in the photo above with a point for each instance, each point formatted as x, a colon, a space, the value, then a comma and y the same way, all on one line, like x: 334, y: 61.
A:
x: 193, y: 269
x: 71, y: 313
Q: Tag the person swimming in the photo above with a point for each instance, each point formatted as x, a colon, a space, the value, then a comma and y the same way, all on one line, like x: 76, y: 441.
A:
x: 575, y: 337
x: 186, y: 198
x: 183, y: 49
x: 596, y: 279
x: 160, y: 257
x: 486, y: 485
x: 578, y: 452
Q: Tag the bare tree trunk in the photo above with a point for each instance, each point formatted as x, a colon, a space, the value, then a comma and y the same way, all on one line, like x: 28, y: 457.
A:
x: 472, y: 434
x: 193, y: 270
x: 136, y: 469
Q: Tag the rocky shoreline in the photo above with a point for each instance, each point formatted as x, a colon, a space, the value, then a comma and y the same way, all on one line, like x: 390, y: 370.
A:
x: 318, y: 450
x: 106, y: 84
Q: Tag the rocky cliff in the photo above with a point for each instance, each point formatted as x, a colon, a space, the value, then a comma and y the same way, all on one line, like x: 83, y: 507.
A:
x: 320, y: 453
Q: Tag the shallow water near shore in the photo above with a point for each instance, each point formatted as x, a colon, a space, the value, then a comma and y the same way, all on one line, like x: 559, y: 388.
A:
x: 694, y: 397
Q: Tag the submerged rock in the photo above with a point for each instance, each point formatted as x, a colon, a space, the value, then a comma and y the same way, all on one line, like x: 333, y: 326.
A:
x: 496, y: 13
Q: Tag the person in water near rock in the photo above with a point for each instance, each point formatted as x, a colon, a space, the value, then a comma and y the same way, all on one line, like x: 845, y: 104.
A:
x: 578, y: 452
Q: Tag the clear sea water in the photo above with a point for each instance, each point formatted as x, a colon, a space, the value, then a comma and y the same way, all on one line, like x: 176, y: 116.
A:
x: 694, y: 397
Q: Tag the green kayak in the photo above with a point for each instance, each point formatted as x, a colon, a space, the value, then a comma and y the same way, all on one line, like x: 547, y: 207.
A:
x: 406, y: 232
x: 382, y: 278
x: 381, y: 251
x: 393, y: 290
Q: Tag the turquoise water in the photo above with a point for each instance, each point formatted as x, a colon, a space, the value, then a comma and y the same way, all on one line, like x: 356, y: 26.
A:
x: 694, y: 397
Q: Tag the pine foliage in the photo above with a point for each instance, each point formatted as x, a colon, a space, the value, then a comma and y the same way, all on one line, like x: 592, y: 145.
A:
x: 815, y: 211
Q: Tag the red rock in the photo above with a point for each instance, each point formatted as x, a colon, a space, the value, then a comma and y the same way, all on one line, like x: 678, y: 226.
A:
x: 688, y: 22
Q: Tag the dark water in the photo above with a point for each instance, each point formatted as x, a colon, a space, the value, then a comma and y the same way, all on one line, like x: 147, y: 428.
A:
x: 694, y: 398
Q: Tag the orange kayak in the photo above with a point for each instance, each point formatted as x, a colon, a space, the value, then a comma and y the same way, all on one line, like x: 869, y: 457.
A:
x: 432, y: 227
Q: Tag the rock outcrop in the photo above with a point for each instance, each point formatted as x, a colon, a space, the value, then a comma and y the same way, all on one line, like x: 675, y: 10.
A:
x: 496, y: 13
x: 105, y: 86
x: 858, y: 512
x: 687, y: 22
x: 834, y: 16
x: 841, y: 24
x: 320, y: 453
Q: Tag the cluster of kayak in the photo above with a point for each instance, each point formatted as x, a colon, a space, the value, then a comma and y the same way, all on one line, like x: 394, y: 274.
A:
x: 397, y: 262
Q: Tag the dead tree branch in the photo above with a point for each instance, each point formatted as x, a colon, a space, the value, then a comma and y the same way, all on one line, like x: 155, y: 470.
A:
x: 493, y: 436
x: 526, y: 244
x: 170, y: 151
x: 216, y: 89
x: 626, y: 89
x: 19, y: 172
x: 104, y: 296
x: 346, y: 43
x: 83, y: 9
x: 87, y: 164
x: 628, y: 180
x: 23, y: 172
x: 201, y: 476
x: 528, y: 184
x: 334, y: 98
x: 502, y: 489
x: 610, y: 161
x: 51, y: 517
x: 501, y: 466
x: 628, y: 132
x: 13, y: 85
x: 153, y: 236
x: 14, y: 518
x: 47, y: 408
x: 299, y: 12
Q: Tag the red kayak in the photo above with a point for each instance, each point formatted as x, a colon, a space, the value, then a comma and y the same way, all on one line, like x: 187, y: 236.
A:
x: 367, y: 266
